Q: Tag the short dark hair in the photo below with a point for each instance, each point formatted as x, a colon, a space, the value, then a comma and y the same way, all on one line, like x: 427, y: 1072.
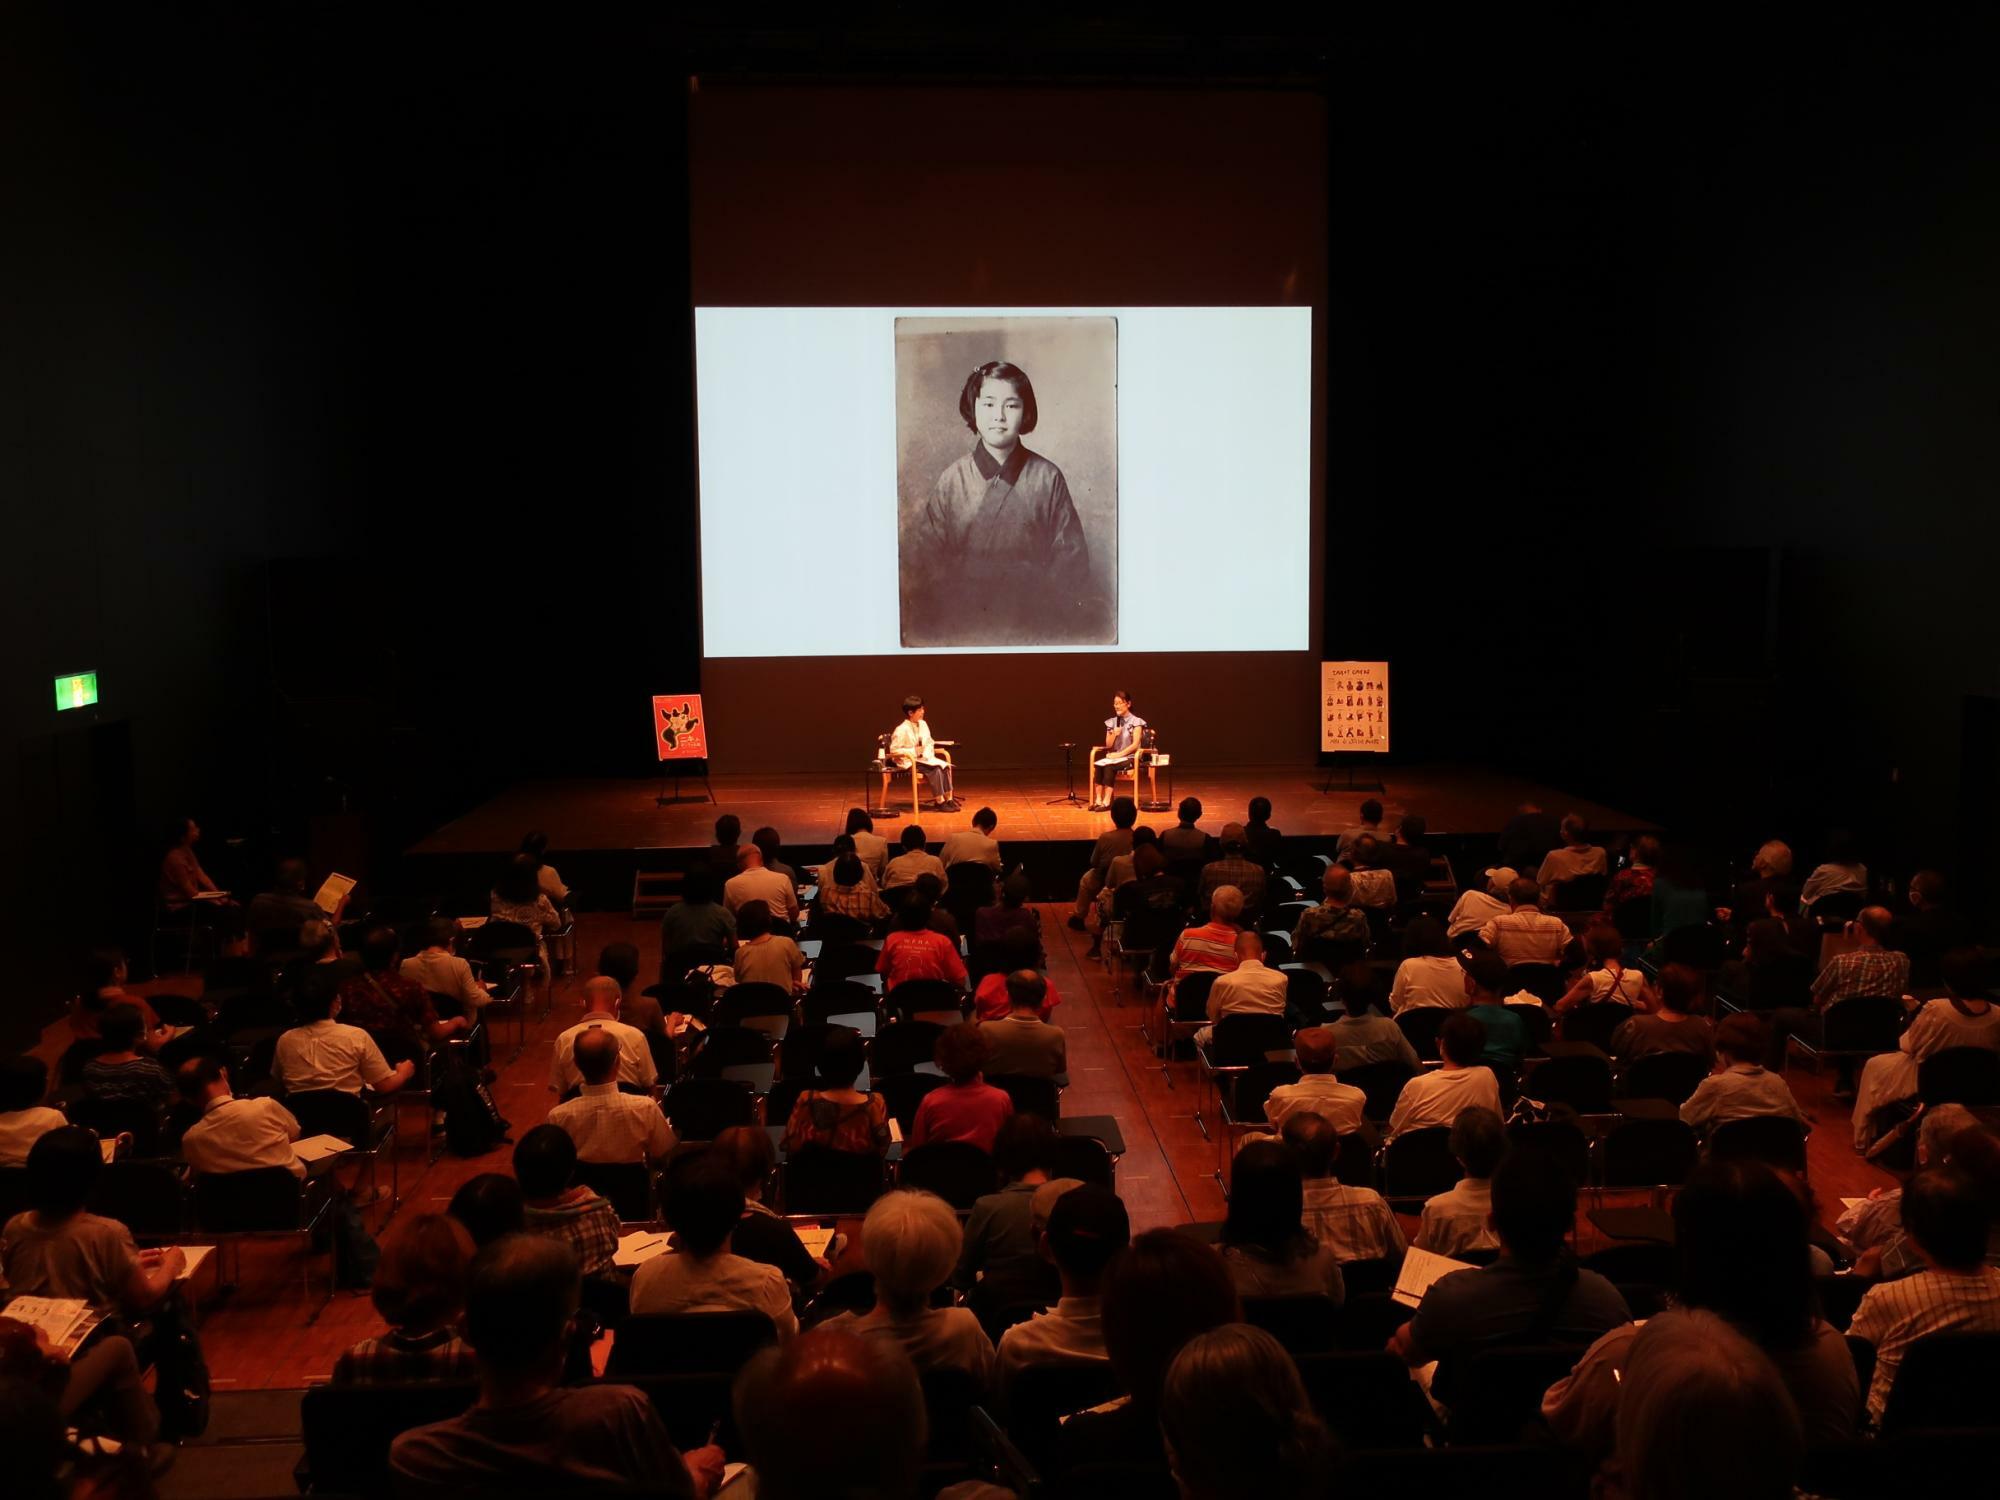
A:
x: 1478, y: 1140
x: 1023, y: 1144
x: 435, y: 932
x: 1534, y: 1204
x: 1361, y: 988
x: 62, y: 1170
x: 194, y: 1076
x: 619, y: 961
x: 489, y: 1205
x: 596, y: 1054
x: 1524, y: 891
x: 728, y: 828
x: 1160, y: 1291
x: 122, y: 1028
x: 520, y: 1293
x: 1462, y: 1039
x: 749, y: 1152
x: 912, y: 837
x: 1260, y: 809
x: 704, y: 1200
x: 1087, y: 1226
x: 1190, y: 810
x: 545, y: 1161
x: 841, y: 1058
x: 100, y: 969
x: 1014, y: 375
x: 1413, y: 827
x: 1027, y: 989
x: 767, y: 843
x: 420, y: 1281
x: 858, y: 819
x: 1366, y: 850
x: 1682, y: 988
x: 1125, y: 812
x: 1371, y: 811
x: 1743, y: 1036
x: 1487, y: 971
x: 516, y: 882
x: 911, y: 704
x: 24, y: 1082
x: 379, y: 948
x: 961, y: 1051
x: 1267, y: 1200
x: 535, y: 844
x: 1313, y: 1141
x: 986, y: 818
x: 291, y: 875
x: 847, y: 870
x: 1425, y: 937
x: 914, y: 915
x: 1943, y: 1212
x: 753, y: 919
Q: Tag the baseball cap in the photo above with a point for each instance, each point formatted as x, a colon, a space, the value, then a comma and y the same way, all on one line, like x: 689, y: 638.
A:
x: 1505, y: 875
x: 1232, y: 833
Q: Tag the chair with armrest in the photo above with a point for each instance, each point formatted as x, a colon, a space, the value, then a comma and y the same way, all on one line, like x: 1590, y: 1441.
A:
x: 263, y: 1203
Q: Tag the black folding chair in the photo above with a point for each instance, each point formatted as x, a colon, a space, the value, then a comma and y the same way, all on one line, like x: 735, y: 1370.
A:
x: 1417, y: 1165
x: 1646, y: 1153
x: 1594, y: 1023
x: 957, y: 1171
x: 688, y: 1343
x: 700, y: 1109
x: 1944, y: 1381
x: 1421, y: 1025
x: 626, y: 1185
x: 933, y: 1000
x: 904, y: 1092
x: 902, y: 1047
x: 1671, y: 1076
x: 263, y: 1203
x: 348, y: 1430
x: 1031, y: 1095
x: 820, y: 1180
x: 1960, y: 1075
x: 1307, y: 1324
x: 1581, y: 1080
x: 1365, y: 1396
x: 1381, y: 1082
x: 1775, y: 1140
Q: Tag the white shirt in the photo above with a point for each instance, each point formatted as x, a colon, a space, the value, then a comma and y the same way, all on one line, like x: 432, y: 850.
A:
x: 608, y: 1125
x: 678, y: 1283
x: 1472, y: 911
x: 1437, y: 983
x: 1455, y: 1220
x: 1248, y: 989
x: 328, y: 1055
x: 970, y: 846
x: 240, y: 1135
x: 635, y: 1058
x: 905, y: 868
x: 1569, y: 862
x: 1526, y: 936
x: 873, y: 851
x: 1625, y: 987
x: 551, y: 884
x: 1070, y: 1333
x: 443, y: 973
x: 21, y: 1128
x: 1435, y: 1098
x: 1339, y: 1104
x: 768, y: 886
x: 912, y: 739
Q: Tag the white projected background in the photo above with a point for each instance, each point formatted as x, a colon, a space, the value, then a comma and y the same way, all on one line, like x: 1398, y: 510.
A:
x: 798, y: 464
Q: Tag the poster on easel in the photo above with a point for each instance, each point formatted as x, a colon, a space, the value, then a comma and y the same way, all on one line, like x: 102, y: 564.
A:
x: 1354, y: 706
x: 680, y: 727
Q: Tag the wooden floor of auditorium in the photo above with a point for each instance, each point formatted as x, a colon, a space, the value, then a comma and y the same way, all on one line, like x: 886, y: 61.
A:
x: 257, y: 1335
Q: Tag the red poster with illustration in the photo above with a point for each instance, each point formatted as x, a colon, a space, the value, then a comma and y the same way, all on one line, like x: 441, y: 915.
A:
x: 680, y: 728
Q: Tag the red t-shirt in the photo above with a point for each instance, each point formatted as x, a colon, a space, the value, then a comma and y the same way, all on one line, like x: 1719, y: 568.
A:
x: 989, y: 1001
x: 919, y: 955
x: 961, y: 1112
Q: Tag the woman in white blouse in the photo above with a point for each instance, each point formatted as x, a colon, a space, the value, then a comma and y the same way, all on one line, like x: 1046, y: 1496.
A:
x: 1962, y: 1017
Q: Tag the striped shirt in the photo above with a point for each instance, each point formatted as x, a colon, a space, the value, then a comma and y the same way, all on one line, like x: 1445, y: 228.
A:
x: 1353, y: 1222
x: 1865, y: 971
x: 1896, y: 1314
x: 438, y: 1355
x: 583, y: 1221
x: 1209, y: 948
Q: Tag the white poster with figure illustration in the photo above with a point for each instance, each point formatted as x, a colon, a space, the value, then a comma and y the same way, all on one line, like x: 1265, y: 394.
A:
x: 1354, y: 706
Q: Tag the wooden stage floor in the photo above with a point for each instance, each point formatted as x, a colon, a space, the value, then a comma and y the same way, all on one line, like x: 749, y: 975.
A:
x: 809, y: 809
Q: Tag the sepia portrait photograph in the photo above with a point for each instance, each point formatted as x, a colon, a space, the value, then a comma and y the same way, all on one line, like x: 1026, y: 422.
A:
x: 1007, y: 479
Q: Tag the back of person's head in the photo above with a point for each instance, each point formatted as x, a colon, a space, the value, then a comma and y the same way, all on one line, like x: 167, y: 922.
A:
x: 930, y: 888
x: 1965, y: 972
x: 1938, y: 1128
x: 62, y: 1170
x: 1646, y: 851
x: 1226, y: 905
x: 1575, y: 827
x: 703, y: 1200
x: 1602, y: 943
x: 521, y: 1292
x: 1783, y: 895
x: 1087, y: 1226
x: 728, y: 829
x: 1362, y: 989
x: 545, y: 1161
x: 1260, y: 810
x: 986, y: 820
x: 1703, y: 1414
x: 420, y: 1281
x: 1773, y: 858
x: 1413, y: 828
x: 517, y: 883
x: 1159, y: 1292
x: 1249, y: 946
x: 291, y: 877
x: 767, y: 843
x: 1015, y: 890
x: 1524, y: 891
x: 314, y: 999
x: 489, y: 1206
x: 750, y: 1154
x: 1943, y: 1213
x: 122, y: 1028
x: 749, y: 857
x: 913, y: 837
x: 1878, y: 922
x: 1237, y: 1422
x: 1928, y: 886
x: 596, y: 1054
x: 1462, y: 1039
x: 1190, y: 810
x: 1742, y: 1037
x: 847, y: 870
x: 1478, y: 1140
x: 1026, y: 989
x: 195, y: 1076
x: 1371, y: 810
x: 1124, y: 812
x: 1488, y: 973
x: 1266, y: 1200
x: 1145, y: 837
x: 1740, y: 1239
x: 379, y: 949
x: 753, y: 919
x: 1233, y: 839
x: 1682, y: 988
x: 961, y: 1051
x: 701, y: 887
x: 437, y: 932
x: 912, y: 1241
x: 1024, y: 1143
x: 831, y: 1415
x: 601, y: 995
x: 535, y: 845
x: 24, y: 1083
x: 1315, y: 1047
x: 1314, y: 1143
x: 858, y: 821
x: 101, y: 968
x: 1976, y: 1153
x: 1534, y: 1204
x: 619, y: 962
x: 914, y: 915
x: 1425, y: 938
x: 1337, y: 884
x: 1366, y: 851
x: 841, y: 1059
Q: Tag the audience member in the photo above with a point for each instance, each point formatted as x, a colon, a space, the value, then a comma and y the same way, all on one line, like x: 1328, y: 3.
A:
x: 912, y: 1242
x: 697, y: 925
x: 1318, y: 1091
x: 1930, y: 929
x: 1252, y: 988
x: 847, y: 890
x: 1840, y: 872
x: 725, y: 856
x: 1606, y: 979
x: 1013, y: 920
x: 1429, y: 975
x: 182, y: 879
x: 605, y: 1123
x: 1525, y: 934
x: 1184, y: 843
x: 1436, y: 1097
x: 232, y: 1134
x: 1153, y: 898
x: 1574, y: 858
x: 1112, y: 844
x: 764, y: 956
x: 103, y: 986
x: 1000, y: 1238
x: 1406, y: 858
x: 1265, y: 1243
x: 1211, y: 947
x: 318, y: 968
x: 753, y: 882
x: 836, y: 1114
x: 558, y: 1207
x: 1374, y: 882
x: 832, y: 1414
x: 913, y: 951
x: 1086, y: 1228
x: 277, y: 913
x: 489, y: 1206
x: 1461, y: 1217
x: 1022, y: 1041
x: 973, y: 846
x: 1370, y: 826
x: 1961, y: 1017
x: 1363, y: 1035
x: 392, y: 1009
x: 1770, y: 867
x: 517, y: 897
x: 915, y: 860
x: 56, y: 1249
x: 601, y: 997
x: 528, y: 1433
x: 122, y: 1073
x: 536, y: 846
x: 1354, y: 1223
x: 1235, y: 868
x: 1261, y: 841
x: 419, y: 1289
x: 869, y: 846
x: 1475, y: 908
x: 100, y: 1390
x: 323, y: 1053
x: 770, y: 846
x: 1336, y: 920
x: 439, y: 971
x: 762, y: 1233
x: 1740, y: 1088
x: 24, y: 1119
x: 1634, y: 883
x: 1675, y: 1024
x: 700, y: 1272
x: 1486, y: 985
x: 967, y: 1108
x: 1873, y: 1227
x: 619, y: 963
x: 1016, y: 953
x: 1237, y: 1424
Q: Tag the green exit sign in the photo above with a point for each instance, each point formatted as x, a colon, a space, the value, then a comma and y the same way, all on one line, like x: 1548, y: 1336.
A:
x: 79, y: 690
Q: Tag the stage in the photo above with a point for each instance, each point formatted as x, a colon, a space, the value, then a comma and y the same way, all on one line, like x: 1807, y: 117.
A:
x: 601, y: 831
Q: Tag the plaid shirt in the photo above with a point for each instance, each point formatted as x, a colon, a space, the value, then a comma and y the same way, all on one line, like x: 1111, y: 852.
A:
x: 1353, y: 1222
x: 1337, y: 924
x: 438, y: 1355
x: 1865, y: 971
x: 583, y: 1221
x: 1233, y: 869
x: 1895, y: 1314
x: 857, y: 901
x: 388, y: 1005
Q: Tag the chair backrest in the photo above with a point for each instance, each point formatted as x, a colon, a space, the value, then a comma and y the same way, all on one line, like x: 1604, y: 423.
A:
x: 1543, y: 981
x: 926, y: 995
x: 1580, y: 1080
x: 1862, y: 1023
x: 1420, y: 1025
x: 1381, y: 1082
x: 1672, y: 1076
x: 821, y: 1180
x: 729, y: 1047
x: 495, y: 941
x: 902, y: 1046
x: 1253, y: 1087
x: 799, y: 1052
x: 957, y: 1171
x: 1645, y: 1262
x: 1594, y: 1022
x: 1580, y: 893
x: 1419, y: 1164
x: 1303, y: 1324
x: 1960, y: 1075
x: 1305, y: 993
x: 1648, y: 1153
x: 1191, y: 995
x: 1772, y: 1139
x: 752, y: 998
x: 150, y: 1198
x: 839, y: 997
x: 263, y: 1200
x: 700, y: 1109
x: 628, y: 1185
x: 348, y: 1429
x: 903, y: 1092
x: 1365, y: 1396
x: 1241, y: 1040
x: 1085, y: 1158
x: 1042, y: 1395
x: 1633, y: 917
x: 1031, y: 1095
x: 1536, y: 1024
x: 688, y: 1343
x: 1495, y: 1392
x: 331, y: 1112
x: 1562, y: 1139
x: 1944, y: 1381
x: 109, y: 1117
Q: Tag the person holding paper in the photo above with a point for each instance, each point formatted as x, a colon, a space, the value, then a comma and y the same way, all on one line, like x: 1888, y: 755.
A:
x: 701, y: 1274
x: 912, y: 744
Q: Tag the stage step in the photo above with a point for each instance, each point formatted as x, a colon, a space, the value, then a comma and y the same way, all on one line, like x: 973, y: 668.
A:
x: 653, y: 891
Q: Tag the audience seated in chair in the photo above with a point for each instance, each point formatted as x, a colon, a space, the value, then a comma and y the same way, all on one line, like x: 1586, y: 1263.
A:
x: 1486, y: 989
x: 846, y: 889
x: 912, y: 1242
x: 1353, y: 1223
x: 974, y: 845
x: 1946, y: 1219
x: 765, y: 956
x: 232, y: 1134
x: 419, y: 1289
x: 1461, y: 1218
x: 913, y: 951
x: 100, y: 1391
x: 700, y: 1273
x: 1961, y: 1017
x: 1252, y: 988
x: 1606, y: 979
x: 829, y: 1413
x: 1634, y: 883
x: 1086, y: 1227
x: 182, y: 879
x: 1363, y: 1035
x: 1674, y: 1024
x: 914, y: 860
x: 1576, y: 857
x: 1233, y: 867
x: 1534, y: 1289
x: 1947, y: 1135
x: 967, y: 1108
x: 1236, y: 1421
x: 1374, y: 883
x: 1525, y: 934
x: 761, y: 1234
x: 724, y: 857
x: 322, y: 1052
x: 755, y: 882
x: 517, y: 896
x: 1012, y: 921
x: 1478, y: 905
x: 1001, y: 1242
x: 1265, y: 1242
x: 1210, y: 948
x: 122, y: 1073
x: 1436, y: 1097
x: 1429, y: 975
x: 1318, y: 1091
x: 607, y: 1124
x: 396, y: 1011
x: 1740, y: 1088
x: 529, y: 1432
x: 992, y: 1001
x: 275, y: 915
x: 1870, y: 967
x: 836, y: 1114
x: 1114, y: 842
x: 440, y: 971
x: 557, y: 1207
x: 489, y: 1205
x: 1022, y: 1041
x: 601, y: 999
x: 1740, y: 1240
x: 24, y: 1118
x: 697, y: 922
x: 103, y: 986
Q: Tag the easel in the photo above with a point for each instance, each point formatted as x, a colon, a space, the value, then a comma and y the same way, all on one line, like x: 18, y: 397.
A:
x: 671, y: 769
x: 1351, y: 785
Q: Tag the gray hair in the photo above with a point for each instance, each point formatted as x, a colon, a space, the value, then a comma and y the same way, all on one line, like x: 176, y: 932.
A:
x: 1226, y: 905
x: 912, y: 1240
